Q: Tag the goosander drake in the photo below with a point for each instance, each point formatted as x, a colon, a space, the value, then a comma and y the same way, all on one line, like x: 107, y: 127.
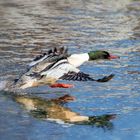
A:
x: 58, y: 64
x: 53, y: 55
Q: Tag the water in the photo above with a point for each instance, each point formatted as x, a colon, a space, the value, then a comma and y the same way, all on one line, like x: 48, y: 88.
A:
x: 30, y: 27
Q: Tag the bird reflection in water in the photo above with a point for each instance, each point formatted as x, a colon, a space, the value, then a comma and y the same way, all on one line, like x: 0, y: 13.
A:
x: 54, y: 109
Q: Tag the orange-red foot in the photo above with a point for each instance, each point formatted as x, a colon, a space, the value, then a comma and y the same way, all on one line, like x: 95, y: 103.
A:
x: 61, y: 85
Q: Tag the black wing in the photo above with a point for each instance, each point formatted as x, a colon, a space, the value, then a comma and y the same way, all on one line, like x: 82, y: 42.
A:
x: 80, y: 76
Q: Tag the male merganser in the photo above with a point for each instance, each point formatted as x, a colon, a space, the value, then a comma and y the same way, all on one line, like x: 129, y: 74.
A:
x: 57, y: 64
x: 74, y: 59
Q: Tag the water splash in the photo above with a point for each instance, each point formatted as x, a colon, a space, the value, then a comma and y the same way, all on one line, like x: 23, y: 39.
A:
x: 3, y: 84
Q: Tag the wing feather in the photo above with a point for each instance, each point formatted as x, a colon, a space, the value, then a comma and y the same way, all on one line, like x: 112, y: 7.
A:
x: 80, y: 76
x: 59, y: 69
x: 50, y: 56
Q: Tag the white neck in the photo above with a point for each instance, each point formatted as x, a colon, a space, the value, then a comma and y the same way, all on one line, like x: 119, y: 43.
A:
x: 78, y: 59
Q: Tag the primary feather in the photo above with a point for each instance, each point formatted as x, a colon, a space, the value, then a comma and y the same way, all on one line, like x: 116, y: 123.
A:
x: 50, y: 56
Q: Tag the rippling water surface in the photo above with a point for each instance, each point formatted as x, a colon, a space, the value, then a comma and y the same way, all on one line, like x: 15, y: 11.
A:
x: 30, y: 27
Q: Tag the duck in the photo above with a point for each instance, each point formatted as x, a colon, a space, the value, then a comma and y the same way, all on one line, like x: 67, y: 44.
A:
x: 57, y: 64
x: 53, y: 55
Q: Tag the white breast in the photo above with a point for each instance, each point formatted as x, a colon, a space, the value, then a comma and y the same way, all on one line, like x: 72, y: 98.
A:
x: 78, y: 59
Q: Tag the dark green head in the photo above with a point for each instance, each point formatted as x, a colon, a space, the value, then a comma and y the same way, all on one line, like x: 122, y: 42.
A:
x: 94, y: 55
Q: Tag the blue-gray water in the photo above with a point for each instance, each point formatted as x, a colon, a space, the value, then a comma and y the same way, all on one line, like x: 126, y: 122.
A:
x: 29, y: 27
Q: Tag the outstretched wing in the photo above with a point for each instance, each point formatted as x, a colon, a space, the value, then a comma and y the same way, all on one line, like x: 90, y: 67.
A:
x: 80, y: 76
x: 50, y: 56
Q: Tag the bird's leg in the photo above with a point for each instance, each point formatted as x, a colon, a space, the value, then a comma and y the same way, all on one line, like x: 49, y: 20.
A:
x: 61, y: 85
